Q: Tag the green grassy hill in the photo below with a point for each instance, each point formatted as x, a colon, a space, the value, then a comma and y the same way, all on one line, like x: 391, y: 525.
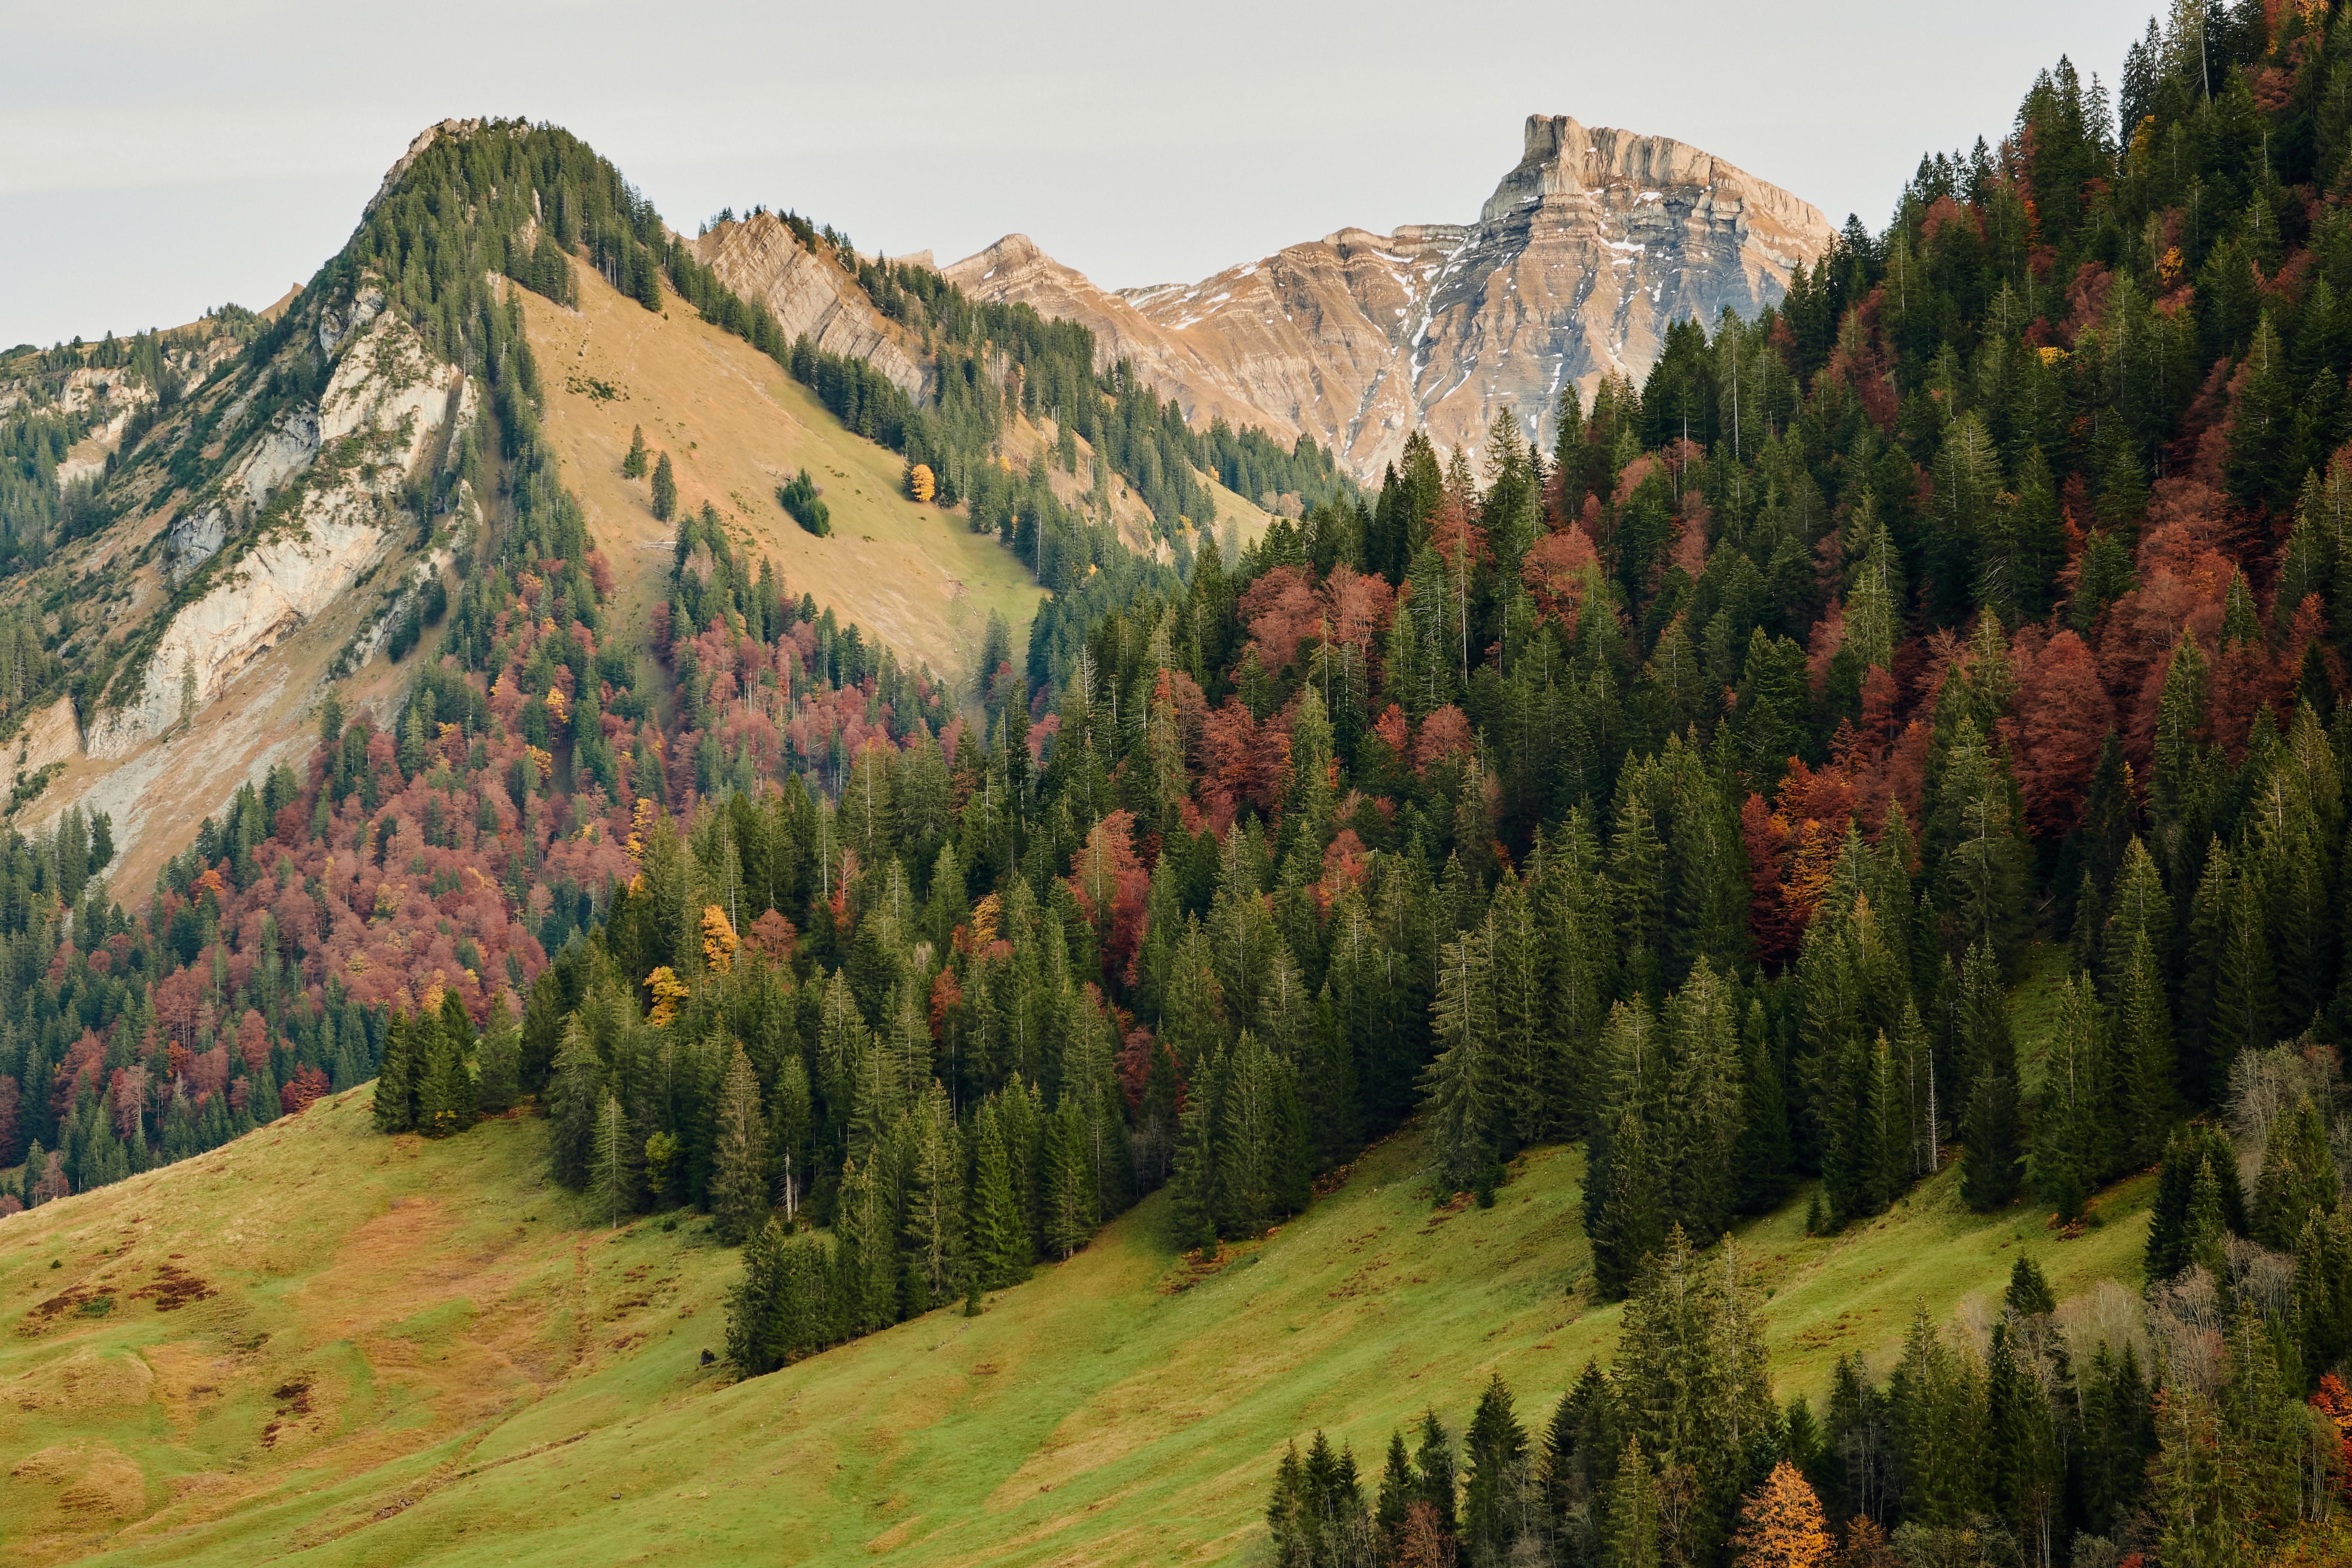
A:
x: 322, y: 1342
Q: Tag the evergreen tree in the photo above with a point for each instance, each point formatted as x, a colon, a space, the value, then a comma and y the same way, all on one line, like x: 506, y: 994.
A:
x: 1989, y: 1126
x: 573, y: 1093
x: 738, y: 1187
x: 665, y: 497
x: 1465, y: 1085
x: 2298, y: 1177
x: 396, y: 1080
x: 997, y: 1231
x: 612, y: 1172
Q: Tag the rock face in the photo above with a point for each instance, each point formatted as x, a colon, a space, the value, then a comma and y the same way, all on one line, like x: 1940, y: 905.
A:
x: 1586, y: 252
x: 400, y: 405
x: 764, y: 261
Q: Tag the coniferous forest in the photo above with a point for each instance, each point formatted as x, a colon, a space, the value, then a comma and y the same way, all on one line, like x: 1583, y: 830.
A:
x: 1697, y: 777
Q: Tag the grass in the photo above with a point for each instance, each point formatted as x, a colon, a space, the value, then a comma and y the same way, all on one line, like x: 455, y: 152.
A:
x: 416, y: 1352
x: 735, y: 427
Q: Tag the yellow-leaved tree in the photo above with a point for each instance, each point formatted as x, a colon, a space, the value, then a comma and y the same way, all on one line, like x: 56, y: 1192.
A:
x: 919, y: 483
x: 1780, y: 1524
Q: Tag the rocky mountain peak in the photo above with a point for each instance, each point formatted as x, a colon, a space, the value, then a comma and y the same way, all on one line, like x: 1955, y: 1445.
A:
x: 1588, y: 249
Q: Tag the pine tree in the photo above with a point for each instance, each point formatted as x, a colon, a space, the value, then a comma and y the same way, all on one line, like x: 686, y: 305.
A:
x: 633, y: 466
x: 738, y: 1185
x: 665, y: 496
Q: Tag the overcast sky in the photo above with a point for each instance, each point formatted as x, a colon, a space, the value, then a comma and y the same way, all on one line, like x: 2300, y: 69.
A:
x: 158, y: 157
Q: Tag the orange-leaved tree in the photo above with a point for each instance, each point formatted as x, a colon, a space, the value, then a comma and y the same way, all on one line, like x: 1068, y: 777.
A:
x: 1780, y: 1524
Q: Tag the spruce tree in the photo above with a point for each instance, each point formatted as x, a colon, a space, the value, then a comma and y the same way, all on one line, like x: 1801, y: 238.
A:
x: 633, y: 466
x: 501, y: 1061
x: 2072, y: 1121
x: 445, y: 1089
x: 1495, y: 1448
x: 613, y: 1178
x: 999, y: 1244
x: 1069, y: 1189
x: 395, y: 1079
x: 932, y: 1179
x: 1400, y: 1485
x: 1193, y: 1181
x: 665, y: 497
x: 739, y: 1183
x: 2298, y: 1177
x: 1988, y: 1162
x: 574, y: 1090
x: 1464, y: 1086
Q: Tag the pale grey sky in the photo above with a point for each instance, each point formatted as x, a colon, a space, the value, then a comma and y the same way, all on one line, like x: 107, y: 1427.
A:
x: 160, y: 156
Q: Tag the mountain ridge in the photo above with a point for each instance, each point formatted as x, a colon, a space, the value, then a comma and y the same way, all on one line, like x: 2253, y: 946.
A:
x: 1547, y: 287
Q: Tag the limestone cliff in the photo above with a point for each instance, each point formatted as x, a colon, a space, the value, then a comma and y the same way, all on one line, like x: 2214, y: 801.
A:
x: 764, y: 262
x: 1586, y: 250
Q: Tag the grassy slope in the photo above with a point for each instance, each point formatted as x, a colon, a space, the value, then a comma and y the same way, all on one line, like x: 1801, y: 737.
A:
x: 736, y: 426
x: 480, y: 1384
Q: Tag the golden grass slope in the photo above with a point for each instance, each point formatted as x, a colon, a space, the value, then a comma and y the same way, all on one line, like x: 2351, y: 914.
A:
x: 382, y: 1351
x: 735, y: 427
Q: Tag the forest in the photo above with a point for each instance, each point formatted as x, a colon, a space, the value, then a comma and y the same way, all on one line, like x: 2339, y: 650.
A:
x: 1696, y: 778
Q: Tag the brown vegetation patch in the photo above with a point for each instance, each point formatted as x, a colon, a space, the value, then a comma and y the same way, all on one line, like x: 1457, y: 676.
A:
x: 76, y: 1302
x: 174, y: 1289
x: 293, y: 1400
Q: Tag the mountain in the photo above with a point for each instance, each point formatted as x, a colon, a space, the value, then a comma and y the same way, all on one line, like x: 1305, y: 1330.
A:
x: 1588, y: 249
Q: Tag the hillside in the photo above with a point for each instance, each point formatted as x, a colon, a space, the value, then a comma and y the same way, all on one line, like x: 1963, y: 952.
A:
x: 1586, y: 252
x: 394, y: 1350
x: 737, y: 426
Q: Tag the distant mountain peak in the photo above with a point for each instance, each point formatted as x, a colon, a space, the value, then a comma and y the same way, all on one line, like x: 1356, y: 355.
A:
x: 1589, y: 247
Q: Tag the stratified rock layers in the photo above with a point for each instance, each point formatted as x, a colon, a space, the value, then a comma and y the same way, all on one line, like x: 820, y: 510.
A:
x: 1584, y: 255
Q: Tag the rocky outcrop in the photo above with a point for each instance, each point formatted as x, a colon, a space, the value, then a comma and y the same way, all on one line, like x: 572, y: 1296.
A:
x: 49, y: 737
x: 398, y: 402
x: 1586, y: 250
x: 761, y: 260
